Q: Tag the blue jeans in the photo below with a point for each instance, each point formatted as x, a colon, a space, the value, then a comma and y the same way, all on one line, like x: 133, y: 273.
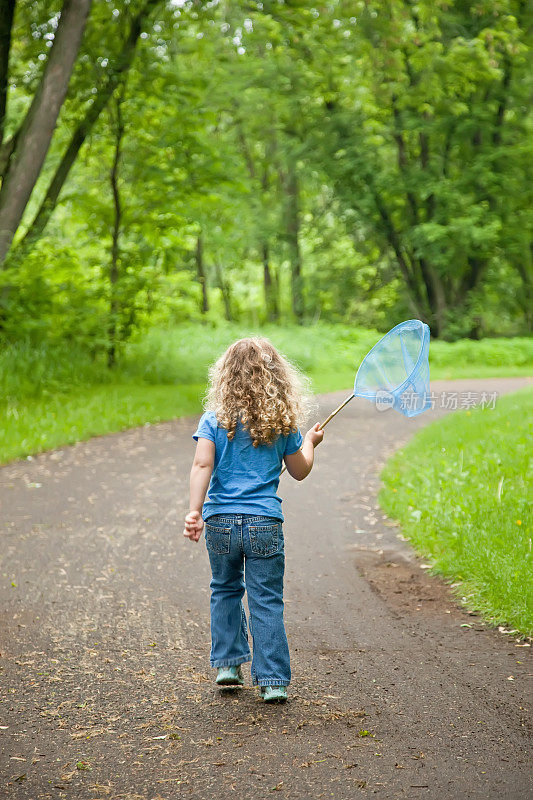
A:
x: 247, y: 551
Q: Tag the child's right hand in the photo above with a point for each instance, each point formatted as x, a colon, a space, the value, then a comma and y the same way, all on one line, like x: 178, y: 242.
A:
x: 315, y: 435
x: 194, y: 526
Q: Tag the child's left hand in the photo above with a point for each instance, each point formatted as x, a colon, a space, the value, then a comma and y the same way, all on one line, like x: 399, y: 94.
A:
x: 194, y: 526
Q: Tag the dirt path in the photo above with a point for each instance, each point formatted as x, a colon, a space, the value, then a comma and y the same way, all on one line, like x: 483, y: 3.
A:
x: 104, y: 637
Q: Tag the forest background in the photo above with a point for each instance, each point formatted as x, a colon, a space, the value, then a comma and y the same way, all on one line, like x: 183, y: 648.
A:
x: 178, y: 173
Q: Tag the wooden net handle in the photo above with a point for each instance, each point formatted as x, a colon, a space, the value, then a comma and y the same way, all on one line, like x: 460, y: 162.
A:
x: 328, y: 419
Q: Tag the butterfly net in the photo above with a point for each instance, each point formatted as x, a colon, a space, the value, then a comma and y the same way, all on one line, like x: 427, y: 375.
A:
x: 395, y: 373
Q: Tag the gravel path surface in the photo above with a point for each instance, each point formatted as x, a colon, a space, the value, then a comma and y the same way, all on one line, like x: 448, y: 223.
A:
x: 105, y: 681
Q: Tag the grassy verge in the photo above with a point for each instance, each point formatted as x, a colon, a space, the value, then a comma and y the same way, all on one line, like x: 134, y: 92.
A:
x: 52, y: 396
x: 48, y: 422
x: 461, y: 490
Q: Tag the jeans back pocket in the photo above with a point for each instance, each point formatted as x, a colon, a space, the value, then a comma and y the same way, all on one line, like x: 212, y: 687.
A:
x: 218, y: 538
x: 265, y: 540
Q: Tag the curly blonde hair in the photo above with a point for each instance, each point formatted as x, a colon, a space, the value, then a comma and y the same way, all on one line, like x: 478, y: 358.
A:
x: 253, y: 382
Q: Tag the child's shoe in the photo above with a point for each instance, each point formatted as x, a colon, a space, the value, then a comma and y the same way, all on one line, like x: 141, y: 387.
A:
x: 274, y: 694
x: 230, y: 676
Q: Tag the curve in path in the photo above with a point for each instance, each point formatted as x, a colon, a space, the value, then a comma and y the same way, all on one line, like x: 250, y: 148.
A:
x: 104, y: 638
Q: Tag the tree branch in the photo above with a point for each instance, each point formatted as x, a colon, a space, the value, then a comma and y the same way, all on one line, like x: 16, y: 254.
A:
x: 79, y: 136
x: 394, y: 241
x: 7, y: 10
x: 244, y: 145
x: 36, y: 133
x: 6, y: 151
x: 402, y: 157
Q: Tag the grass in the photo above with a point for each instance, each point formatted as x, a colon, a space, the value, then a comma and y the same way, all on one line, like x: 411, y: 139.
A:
x: 47, y: 422
x: 56, y: 395
x: 462, y: 491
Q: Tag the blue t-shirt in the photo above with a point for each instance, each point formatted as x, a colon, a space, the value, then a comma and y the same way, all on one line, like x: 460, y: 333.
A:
x: 245, y: 478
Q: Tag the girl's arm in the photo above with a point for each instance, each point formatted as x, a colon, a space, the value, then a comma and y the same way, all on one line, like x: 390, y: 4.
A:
x: 300, y: 464
x: 201, y: 471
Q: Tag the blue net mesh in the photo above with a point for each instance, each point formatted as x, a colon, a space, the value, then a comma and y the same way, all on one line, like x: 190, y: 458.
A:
x: 395, y: 373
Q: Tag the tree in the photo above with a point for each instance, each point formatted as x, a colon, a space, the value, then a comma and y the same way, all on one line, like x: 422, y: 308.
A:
x: 352, y: 161
x: 116, y: 73
x: 114, y: 264
x: 7, y: 11
x: 420, y: 142
x: 33, y: 139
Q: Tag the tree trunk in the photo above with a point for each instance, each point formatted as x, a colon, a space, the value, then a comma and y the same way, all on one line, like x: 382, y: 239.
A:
x: 269, y: 283
x: 392, y: 237
x: 38, y: 127
x: 436, y: 296
x: 225, y: 290
x: 200, y: 270
x: 525, y: 298
x: 432, y: 283
x: 471, y: 277
x: 114, y: 271
x: 293, y: 231
x: 116, y: 74
x: 269, y: 288
x: 7, y: 9
x: 6, y: 151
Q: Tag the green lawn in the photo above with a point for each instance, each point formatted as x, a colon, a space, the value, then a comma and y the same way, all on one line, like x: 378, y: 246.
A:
x: 56, y: 395
x: 48, y: 422
x: 462, y: 491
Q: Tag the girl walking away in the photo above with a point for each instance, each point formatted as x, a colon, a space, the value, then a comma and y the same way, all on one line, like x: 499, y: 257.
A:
x: 255, y: 403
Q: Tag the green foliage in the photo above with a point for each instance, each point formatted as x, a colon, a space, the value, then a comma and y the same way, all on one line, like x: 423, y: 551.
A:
x: 422, y: 145
x: 406, y: 128
x: 57, y: 393
x: 461, y: 490
x: 180, y: 355
x: 51, y: 421
x: 30, y: 370
x: 490, y: 353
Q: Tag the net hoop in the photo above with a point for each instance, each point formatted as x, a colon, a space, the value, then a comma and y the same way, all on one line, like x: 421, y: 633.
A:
x: 388, y: 335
